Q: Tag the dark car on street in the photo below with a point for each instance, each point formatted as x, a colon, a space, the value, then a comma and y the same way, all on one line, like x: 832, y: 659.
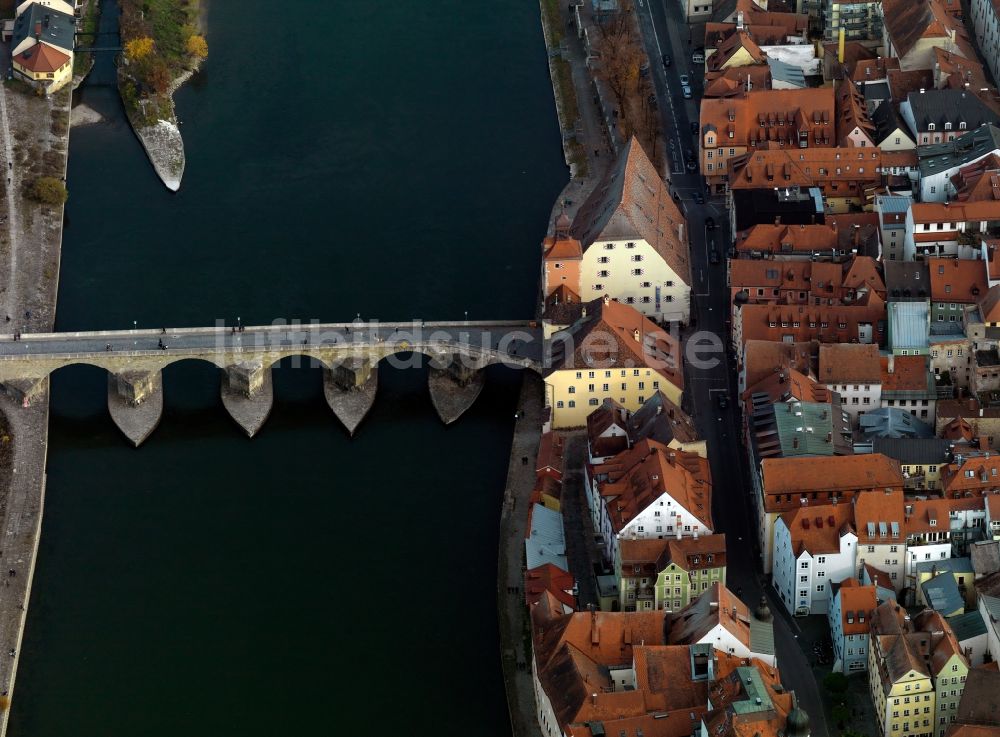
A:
x: 699, y: 198
x: 666, y: 60
x: 691, y: 166
x: 713, y: 256
x: 694, y: 126
x: 710, y: 223
x: 721, y: 400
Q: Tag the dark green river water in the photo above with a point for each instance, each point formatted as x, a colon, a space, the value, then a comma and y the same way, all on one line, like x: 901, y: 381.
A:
x: 391, y: 159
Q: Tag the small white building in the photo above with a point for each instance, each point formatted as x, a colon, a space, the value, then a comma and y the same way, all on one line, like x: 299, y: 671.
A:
x: 814, y: 548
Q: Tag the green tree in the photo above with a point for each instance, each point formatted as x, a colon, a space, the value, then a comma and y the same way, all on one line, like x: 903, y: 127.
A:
x: 835, y: 683
x: 48, y: 190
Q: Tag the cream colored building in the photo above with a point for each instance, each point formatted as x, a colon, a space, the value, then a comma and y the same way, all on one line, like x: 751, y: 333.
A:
x: 612, y: 352
x: 635, y: 241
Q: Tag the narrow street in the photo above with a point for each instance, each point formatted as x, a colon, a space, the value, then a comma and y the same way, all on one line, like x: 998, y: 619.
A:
x: 664, y: 31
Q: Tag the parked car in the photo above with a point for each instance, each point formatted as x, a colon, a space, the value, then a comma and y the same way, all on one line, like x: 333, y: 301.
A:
x: 666, y: 60
x: 691, y: 166
x: 684, y: 80
x: 686, y: 91
x: 698, y: 57
x: 694, y: 127
x: 699, y: 198
x: 721, y: 400
x: 713, y: 255
x: 710, y: 223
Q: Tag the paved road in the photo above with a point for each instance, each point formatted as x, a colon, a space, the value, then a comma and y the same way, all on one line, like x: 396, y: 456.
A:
x: 513, y: 340
x: 665, y: 32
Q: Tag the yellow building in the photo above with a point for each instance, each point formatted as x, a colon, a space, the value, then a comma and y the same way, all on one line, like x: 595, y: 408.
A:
x: 44, y: 66
x: 916, y: 672
x: 611, y: 352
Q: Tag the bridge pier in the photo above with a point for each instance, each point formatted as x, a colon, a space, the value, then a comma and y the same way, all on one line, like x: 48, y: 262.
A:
x: 135, y: 403
x: 248, y: 394
x: 350, y: 388
x: 24, y: 391
x: 455, y: 383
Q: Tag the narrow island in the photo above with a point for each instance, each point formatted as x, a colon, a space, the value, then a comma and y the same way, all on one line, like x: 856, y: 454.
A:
x: 162, y: 46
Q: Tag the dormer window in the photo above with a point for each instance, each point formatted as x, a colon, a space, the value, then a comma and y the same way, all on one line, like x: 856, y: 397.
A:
x: 947, y: 126
x: 931, y: 126
x: 961, y: 126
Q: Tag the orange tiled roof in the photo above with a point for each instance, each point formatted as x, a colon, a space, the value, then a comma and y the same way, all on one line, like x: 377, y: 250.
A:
x: 849, y: 363
x: 632, y: 201
x: 731, y: 46
x: 909, y: 21
x: 903, y: 83
x: 852, y: 114
x: 989, y: 305
x: 826, y: 324
x: 818, y: 529
x: 857, y: 604
x: 772, y: 115
x: 761, y: 358
x: 909, y: 373
x: 622, y: 338
x: 979, y: 180
x: 41, y: 58
x: 849, y: 168
x: 640, y: 475
x: 552, y: 579
x: 769, y: 238
x: 562, y: 249
x: 875, y: 511
x: 733, y: 81
x: 790, y: 384
x: 959, y: 70
x: 957, y: 280
x: 873, y: 69
x: 801, y: 475
x: 925, y: 515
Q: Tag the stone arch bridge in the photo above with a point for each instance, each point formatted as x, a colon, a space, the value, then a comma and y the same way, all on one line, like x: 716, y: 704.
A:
x: 349, y: 354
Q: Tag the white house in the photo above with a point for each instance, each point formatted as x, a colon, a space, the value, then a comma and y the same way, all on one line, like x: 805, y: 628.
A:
x: 650, y: 492
x: 635, y: 241
x: 854, y: 371
x: 814, y: 547
x: 718, y: 618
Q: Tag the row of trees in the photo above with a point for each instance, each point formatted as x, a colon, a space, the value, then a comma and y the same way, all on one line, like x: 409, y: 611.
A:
x: 621, y: 58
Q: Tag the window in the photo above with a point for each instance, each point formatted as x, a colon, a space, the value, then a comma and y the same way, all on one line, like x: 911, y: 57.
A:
x: 594, y: 402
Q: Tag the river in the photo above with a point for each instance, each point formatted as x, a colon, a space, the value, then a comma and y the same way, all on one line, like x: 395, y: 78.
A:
x: 395, y: 160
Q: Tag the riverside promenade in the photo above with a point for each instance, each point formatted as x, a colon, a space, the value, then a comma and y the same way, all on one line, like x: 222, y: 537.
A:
x: 587, y: 132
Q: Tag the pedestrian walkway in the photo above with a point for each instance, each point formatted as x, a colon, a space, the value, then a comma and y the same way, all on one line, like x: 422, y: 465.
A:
x: 512, y: 612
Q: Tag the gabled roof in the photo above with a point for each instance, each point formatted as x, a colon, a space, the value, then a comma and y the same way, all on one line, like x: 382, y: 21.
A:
x: 716, y: 606
x: 870, y: 69
x: 852, y: 113
x: 887, y: 122
x: 903, y: 83
x: 989, y: 305
x: 973, y: 145
x: 731, y: 46
x: 787, y: 384
x: 857, y: 604
x: 632, y: 201
x: 892, y: 423
x: 914, y: 451
x: 908, y: 21
x: 661, y: 420
x: 800, y: 476
x: 959, y: 70
x: 941, y: 594
x: 979, y: 703
x: 622, y: 338
x: 733, y: 81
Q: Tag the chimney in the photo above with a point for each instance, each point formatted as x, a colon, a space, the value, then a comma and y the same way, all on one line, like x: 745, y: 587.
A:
x: 739, y: 20
x: 635, y: 335
x: 892, y: 366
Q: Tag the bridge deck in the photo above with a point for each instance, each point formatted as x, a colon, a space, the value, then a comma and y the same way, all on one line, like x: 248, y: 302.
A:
x: 517, y: 342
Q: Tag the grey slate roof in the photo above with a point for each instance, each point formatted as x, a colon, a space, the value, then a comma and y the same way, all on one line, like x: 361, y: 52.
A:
x: 887, y: 423
x: 968, y: 625
x: 907, y: 281
x: 941, y: 593
x: 784, y: 72
x: 950, y: 565
x: 761, y: 637
x: 948, y: 106
x: 914, y: 451
x: 57, y: 28
x: 985, y: 556
x: 810, y: 428
x: 992, y: 605
x: 876, y: 92
x: 973, y: 145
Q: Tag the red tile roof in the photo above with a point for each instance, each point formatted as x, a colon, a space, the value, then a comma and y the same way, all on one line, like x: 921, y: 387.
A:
x: 957, y: 280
